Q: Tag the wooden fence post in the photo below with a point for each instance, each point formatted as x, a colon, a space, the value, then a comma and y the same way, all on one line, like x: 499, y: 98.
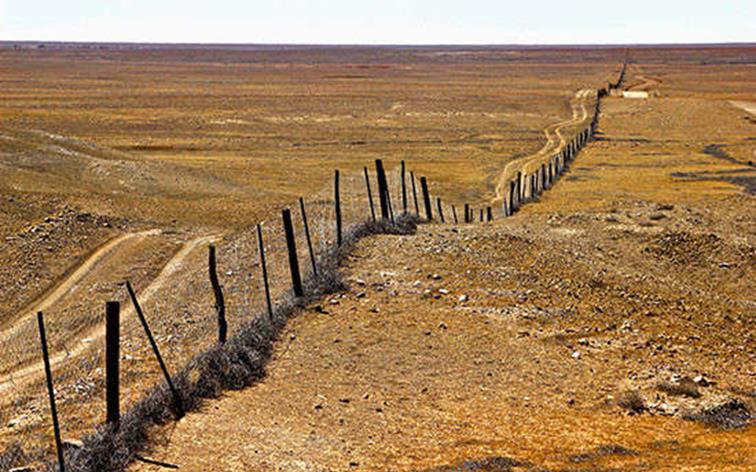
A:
x: 291, y: 244
x: 544, y: 186
x: 512, y: 190
x: 370, y: 193
x: 404, y: 189
x: 307, y: 236
x: 519, y: 188
x: 489, y: 213
x: 454, y: 214
x: 481, y: 215
x: 261, y: 247
x: 220, y: 303
x: 467, y: 213
x: 426, y: 198
x: 51, y: 391
x: 414, y: 194
x: 112, y: 360
x: 440, y: 210
x: 382, y: 189
x: 337, y: 203
x: 176, y: 397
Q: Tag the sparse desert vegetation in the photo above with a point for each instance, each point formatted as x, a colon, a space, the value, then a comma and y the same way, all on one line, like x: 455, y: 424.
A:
x: 606, y: 326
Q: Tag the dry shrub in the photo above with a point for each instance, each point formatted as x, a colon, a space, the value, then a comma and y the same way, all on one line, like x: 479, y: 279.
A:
x: 632, y: 401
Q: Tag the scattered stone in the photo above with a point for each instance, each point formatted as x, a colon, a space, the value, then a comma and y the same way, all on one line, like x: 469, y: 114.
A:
x: 462, y: 298
x: 443, y: 291
x: 576, y: 355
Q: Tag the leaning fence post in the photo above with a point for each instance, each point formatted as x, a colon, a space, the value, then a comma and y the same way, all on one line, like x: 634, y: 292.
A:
x: 261, y: 246
x: 176, y: 397
x: 112, y: 359
x: 51, y: 391
x: 454, y: 214
x: 220, y: 304
x: 489, y: 213
x: 307, y: 236
x: 370, y: 193
x: 414, y: 194
x: 440, y: 210
x: 291, y: 244
x: 426, y: 198
x: 337, y: 203
x: 404, y: 189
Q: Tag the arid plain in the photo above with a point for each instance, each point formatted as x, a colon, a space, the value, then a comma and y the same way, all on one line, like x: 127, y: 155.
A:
x: 512, y: 345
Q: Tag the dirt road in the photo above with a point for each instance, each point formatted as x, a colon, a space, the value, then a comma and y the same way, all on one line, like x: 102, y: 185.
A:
x: 555, y: 142
x: 31, y: 372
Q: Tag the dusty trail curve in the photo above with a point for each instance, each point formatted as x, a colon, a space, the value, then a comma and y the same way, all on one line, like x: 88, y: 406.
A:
x: 65, y: 285
x: 647, y: 83
x: 33, y: 372
x: 555, y: 142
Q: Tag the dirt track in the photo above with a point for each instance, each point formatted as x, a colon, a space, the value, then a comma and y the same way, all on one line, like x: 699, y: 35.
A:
x: 34, y: 372
x: 555, y: 142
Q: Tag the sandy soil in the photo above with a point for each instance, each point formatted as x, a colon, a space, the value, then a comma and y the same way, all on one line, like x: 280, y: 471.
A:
x: 653, y: 225
x: 597, y: 329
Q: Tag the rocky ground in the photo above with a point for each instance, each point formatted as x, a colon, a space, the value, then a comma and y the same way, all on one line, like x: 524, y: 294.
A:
x: 609, y: 326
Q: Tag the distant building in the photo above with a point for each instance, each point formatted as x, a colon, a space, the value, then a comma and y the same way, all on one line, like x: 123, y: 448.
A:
x: 634, y: 94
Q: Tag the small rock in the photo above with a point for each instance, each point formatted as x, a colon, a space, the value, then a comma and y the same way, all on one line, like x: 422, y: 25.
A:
x: 462, y: 298
x: 436, y: 277
x: 576, y: 355
x: 360, y: 282
x: 701, y: 380
x: 443, y: 291
x: 666, y: 409
x: 73, y: 443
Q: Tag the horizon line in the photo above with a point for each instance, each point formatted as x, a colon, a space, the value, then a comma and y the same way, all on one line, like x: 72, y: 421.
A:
x: 298, y: 44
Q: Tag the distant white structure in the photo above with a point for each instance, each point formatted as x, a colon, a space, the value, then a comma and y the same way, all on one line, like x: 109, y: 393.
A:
x: 634, y: 94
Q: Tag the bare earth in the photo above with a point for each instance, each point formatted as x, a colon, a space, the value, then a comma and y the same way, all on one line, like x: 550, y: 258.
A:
x: 515, y: 345
x: 608, y: 326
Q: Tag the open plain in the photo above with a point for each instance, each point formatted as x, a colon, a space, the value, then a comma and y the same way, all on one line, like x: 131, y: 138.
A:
x: 607, y: 326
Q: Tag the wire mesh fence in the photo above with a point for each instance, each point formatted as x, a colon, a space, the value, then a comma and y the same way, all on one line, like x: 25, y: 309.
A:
x: 179, y: 304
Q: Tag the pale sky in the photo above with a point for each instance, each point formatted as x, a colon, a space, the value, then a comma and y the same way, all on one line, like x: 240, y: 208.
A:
x: 381, y: 22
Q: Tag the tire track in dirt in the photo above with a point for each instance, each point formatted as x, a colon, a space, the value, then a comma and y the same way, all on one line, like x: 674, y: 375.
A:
x: 30, y: 373
x: 65, y: 285
x: 647, y: 83
x: 555, y: 142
